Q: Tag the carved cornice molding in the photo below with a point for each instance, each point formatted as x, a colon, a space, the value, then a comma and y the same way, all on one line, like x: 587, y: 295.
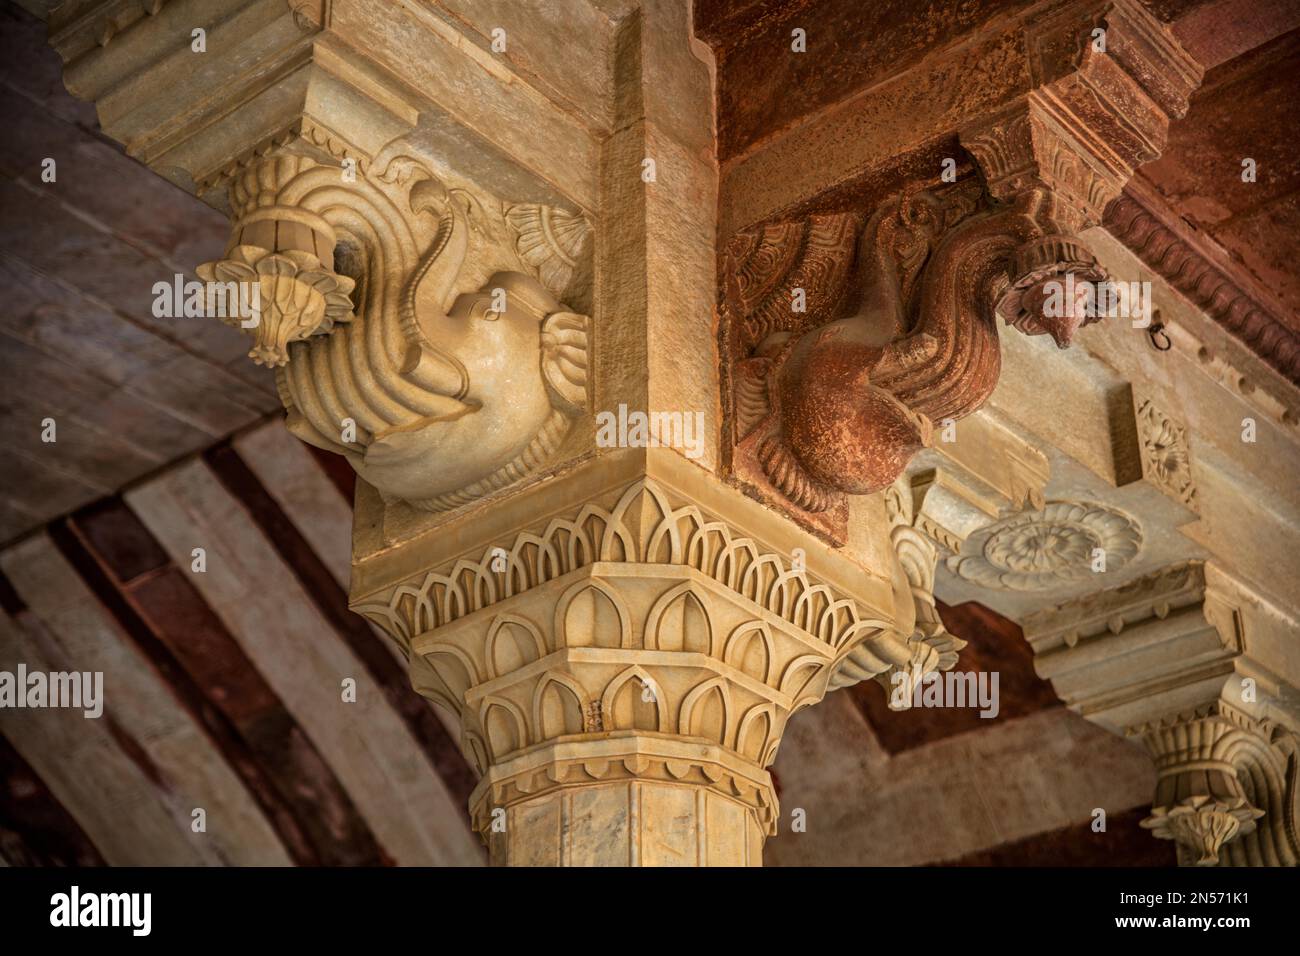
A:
x: 80, y: 26
x: 1164, y: 659
x: 1135, y: 220
x: 1241, y: 372
x: 1155, y: 595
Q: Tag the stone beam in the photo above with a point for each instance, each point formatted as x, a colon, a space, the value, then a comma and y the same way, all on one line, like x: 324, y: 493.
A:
x: 1168, y: 660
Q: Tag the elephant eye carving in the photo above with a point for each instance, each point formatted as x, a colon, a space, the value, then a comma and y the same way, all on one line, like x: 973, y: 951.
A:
x: 483, y: 310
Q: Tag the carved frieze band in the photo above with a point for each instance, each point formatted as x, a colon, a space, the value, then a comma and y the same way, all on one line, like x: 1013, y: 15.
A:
x: 1204, y: 283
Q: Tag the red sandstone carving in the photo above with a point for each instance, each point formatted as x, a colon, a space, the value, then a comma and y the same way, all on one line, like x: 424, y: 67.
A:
x: 835, y: 399
x: 1220, y: 294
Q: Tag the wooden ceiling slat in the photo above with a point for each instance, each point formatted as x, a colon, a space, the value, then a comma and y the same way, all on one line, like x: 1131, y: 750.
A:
x: 187, y: 643
x: 296, y: 648
x: 83, y: 764
x: 294, y: 501
x: 156, y: 731
x: 35, y: 828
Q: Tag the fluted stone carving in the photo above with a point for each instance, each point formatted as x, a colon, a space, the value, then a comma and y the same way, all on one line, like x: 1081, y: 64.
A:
x: 1200, y: 802
x: 636, y: 651
x: 436, y: 393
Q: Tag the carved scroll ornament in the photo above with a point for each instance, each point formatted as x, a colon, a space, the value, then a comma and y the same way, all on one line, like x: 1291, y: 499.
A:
x: 436, y: 398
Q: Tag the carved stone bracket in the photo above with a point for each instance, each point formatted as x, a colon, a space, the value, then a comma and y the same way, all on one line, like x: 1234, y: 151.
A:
x: 848, y: 334
x: 486, y: 383
x: 838, y: 373
x: 1225, y: 791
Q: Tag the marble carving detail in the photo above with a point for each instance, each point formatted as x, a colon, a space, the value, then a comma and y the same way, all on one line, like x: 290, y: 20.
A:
x: 1226, y: 768
x: 616, y: 631
x: 381, y: 352
x: 1037, y: 550
x: 1226, y: 789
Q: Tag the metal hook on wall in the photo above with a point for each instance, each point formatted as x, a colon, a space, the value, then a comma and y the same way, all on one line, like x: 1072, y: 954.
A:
x: 1160, y: 340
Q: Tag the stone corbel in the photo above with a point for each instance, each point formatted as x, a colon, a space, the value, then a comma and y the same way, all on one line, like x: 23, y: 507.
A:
x: 837, y: 398
x: 437, y: 392
x: 420, y: 325
x: 1226, y: 787
x: 848, y: 334
x: 1163, y: 660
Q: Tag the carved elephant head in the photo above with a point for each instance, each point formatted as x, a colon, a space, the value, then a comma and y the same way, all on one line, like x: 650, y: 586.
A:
x: 514, y: 366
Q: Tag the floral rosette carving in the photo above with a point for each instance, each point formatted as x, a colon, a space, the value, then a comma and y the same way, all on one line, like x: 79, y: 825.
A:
x: 1037, y: 550
x: 1201, y: 825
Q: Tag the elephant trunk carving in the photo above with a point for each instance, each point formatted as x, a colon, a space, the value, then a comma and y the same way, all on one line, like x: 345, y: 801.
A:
x: 436, y: 398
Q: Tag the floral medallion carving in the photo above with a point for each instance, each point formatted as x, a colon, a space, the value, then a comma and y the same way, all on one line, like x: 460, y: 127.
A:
x: 1037, y: 550
x: 1165, y: 458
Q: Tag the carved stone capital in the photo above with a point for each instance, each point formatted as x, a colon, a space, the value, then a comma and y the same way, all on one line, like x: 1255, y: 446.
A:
x: 636, y: 648
x: 1200, y: 802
